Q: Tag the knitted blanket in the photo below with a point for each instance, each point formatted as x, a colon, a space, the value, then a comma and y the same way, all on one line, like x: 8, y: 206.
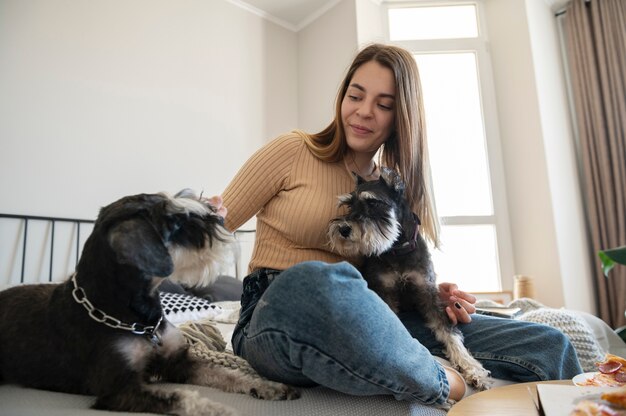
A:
x: 206, y: 343
x: 573, y: 326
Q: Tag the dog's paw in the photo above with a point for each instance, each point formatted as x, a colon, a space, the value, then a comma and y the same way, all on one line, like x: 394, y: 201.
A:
x: 270, y: 390
x: 191, y: 404
x: 478, y: 378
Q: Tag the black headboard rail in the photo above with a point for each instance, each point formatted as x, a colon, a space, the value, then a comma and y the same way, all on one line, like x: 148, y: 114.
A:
x: 22, y: 230
x: 51, y: 223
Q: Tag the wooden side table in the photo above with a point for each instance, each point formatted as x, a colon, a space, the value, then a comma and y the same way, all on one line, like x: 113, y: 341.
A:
x: 509, y: 400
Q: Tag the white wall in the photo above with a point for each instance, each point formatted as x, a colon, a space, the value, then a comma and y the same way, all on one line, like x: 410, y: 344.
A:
x: 528, y: 193
x: 103, y: 98
x: 325, y: 50
x: 544, y: 200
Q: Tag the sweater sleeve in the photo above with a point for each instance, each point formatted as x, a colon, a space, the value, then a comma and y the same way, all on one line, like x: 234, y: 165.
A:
x: 264, y: 175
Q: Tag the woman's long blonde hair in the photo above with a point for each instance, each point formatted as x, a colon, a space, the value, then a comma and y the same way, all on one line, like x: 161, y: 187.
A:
x: 406, y: 149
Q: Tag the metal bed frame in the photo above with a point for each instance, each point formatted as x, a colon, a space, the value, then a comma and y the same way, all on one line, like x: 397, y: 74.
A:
x: 51, y: 222
x: 24, y: 234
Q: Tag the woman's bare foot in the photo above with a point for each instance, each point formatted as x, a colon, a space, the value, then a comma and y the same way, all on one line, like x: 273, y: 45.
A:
x: 456, y: 382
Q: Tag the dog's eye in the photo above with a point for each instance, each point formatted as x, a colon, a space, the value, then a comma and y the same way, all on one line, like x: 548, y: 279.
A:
x: 173, y: 223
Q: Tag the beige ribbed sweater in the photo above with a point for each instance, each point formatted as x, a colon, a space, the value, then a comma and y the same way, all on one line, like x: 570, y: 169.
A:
x: 294, y: 196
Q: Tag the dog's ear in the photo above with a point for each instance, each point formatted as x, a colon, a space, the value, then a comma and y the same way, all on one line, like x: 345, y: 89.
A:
x: 345, y: 199
x: 392, y: 179
x: 357, y: 179
x: 137, y: 243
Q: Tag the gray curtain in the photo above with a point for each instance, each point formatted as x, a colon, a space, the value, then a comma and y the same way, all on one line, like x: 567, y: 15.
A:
x: 595, y: 38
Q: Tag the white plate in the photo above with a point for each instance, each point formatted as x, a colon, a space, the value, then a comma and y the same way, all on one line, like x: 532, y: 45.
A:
x: 581, y: 379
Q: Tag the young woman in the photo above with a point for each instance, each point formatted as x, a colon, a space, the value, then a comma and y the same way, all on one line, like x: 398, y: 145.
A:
x: 307, y: 316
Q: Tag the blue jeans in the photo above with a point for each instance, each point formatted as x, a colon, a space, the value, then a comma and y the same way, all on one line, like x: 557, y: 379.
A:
x: 319, y: 324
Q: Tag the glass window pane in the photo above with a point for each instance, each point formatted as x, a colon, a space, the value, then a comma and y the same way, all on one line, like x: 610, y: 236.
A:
x: 436, y: 22
x: 468, y: 257
x: 456, y: 141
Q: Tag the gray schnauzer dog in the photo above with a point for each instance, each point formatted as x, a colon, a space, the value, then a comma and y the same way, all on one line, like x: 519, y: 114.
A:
x: 102, y: 332
x: 381, y: 226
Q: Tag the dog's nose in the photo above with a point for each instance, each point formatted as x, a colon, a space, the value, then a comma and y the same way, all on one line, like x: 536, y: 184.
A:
x: 345, y: 231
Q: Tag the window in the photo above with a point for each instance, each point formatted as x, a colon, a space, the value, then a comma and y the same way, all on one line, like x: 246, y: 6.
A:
x: 449, y: 45
x: 425, y: 22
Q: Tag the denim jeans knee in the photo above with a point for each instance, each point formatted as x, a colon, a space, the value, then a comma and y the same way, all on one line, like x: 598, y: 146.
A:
x: 318, y: 323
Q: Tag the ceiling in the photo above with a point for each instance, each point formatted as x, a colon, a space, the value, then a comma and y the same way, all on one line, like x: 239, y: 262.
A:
x: 292, y: 14
x: 296, y: 14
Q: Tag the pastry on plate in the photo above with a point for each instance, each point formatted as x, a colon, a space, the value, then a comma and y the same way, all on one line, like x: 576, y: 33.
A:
x: 591, y: 408
x: 616, y: 397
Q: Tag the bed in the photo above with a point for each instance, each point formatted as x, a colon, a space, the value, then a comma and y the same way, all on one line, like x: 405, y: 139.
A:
x: 36, y: 249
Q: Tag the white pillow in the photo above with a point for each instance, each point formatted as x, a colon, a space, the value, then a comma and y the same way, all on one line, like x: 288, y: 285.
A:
x: 179, y: 308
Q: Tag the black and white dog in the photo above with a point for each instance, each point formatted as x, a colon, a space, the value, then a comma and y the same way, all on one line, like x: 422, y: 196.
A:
x: 381, y: 226
x: 103, y: 333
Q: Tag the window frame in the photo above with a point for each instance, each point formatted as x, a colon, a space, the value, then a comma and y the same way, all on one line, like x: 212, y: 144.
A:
x: 480, y: 47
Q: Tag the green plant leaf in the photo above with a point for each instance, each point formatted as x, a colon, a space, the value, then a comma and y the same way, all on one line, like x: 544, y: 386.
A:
x: 607, y: 263
x: 611, y: 257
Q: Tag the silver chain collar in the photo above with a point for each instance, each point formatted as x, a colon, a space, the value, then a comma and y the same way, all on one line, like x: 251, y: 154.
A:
x: 99, y: 316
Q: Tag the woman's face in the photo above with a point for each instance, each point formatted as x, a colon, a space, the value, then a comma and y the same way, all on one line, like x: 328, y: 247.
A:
x: 368, y: 108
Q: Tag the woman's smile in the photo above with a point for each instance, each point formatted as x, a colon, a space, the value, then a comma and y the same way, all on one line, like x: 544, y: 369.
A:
x: 361, y: 130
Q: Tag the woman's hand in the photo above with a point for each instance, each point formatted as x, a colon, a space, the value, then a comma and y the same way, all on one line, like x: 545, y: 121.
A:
x: 216, y: 202
x: 459, y: 304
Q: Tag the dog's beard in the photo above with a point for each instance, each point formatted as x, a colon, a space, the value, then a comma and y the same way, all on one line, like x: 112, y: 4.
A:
x: 200, y: 267
x: 367, y: 238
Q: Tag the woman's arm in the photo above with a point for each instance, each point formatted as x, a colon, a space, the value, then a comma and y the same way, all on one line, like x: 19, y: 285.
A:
x: 263, y: 176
